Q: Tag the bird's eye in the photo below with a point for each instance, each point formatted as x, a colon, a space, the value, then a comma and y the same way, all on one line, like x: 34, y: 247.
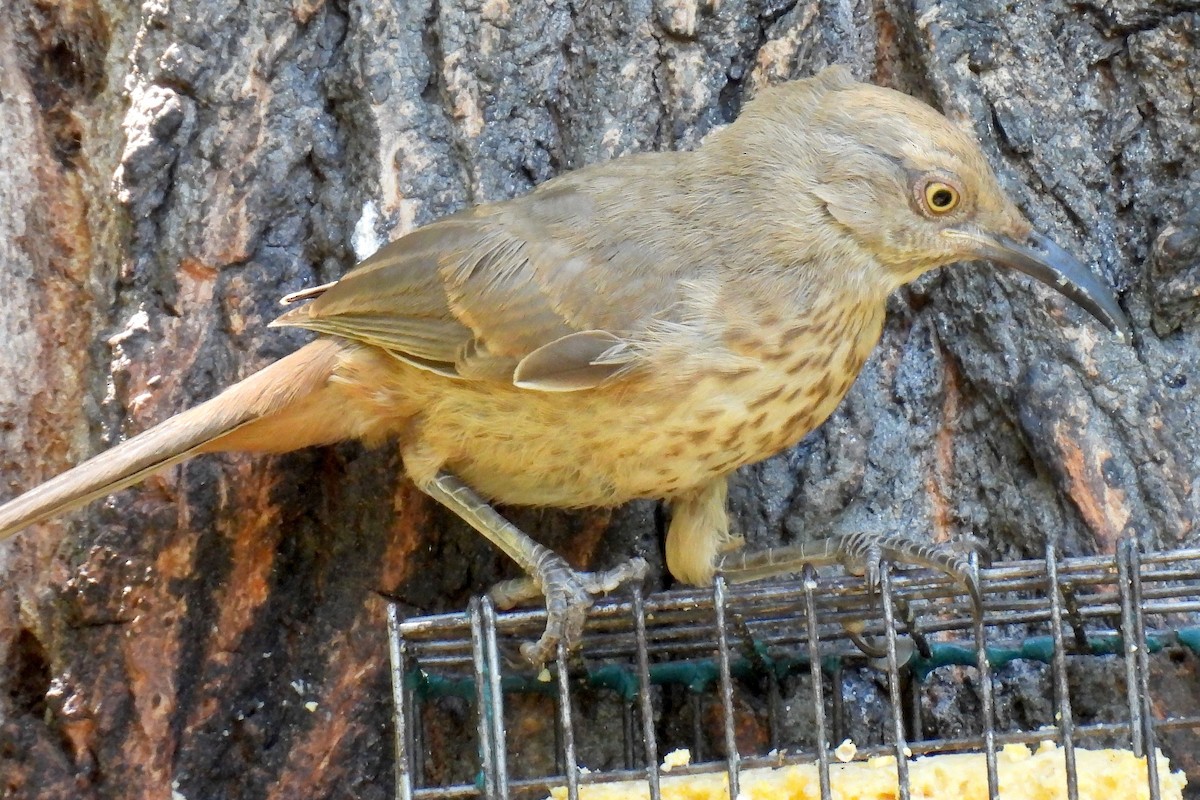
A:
x: 940, y: 197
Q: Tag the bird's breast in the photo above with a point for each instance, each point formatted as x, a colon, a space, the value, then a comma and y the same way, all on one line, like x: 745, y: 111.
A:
x: 690, y: 416
x: 781, y: 381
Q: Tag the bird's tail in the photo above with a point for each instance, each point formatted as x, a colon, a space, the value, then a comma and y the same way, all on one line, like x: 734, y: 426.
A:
x: 277, y: 409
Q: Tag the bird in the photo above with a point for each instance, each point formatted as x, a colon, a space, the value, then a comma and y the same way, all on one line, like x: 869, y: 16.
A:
x: 639, y: 328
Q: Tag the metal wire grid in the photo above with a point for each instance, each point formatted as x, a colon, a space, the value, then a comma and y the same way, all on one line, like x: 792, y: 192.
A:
x: 1090, y: 605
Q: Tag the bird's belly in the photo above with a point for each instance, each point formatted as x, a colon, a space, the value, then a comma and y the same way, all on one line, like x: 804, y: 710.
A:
x: 650, y: 438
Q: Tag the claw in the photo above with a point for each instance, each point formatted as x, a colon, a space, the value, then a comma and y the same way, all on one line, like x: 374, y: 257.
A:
x: 860, y: 554
x: 569, y: 595
x: 512, y: 593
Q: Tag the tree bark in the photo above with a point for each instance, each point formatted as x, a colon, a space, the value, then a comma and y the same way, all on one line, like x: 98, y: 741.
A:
x: 169, y: 170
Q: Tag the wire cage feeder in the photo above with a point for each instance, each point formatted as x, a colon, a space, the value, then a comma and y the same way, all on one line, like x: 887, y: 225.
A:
x: 1081, y: 652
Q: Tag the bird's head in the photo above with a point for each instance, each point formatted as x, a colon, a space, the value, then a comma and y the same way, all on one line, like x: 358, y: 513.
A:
x: 912, y: 189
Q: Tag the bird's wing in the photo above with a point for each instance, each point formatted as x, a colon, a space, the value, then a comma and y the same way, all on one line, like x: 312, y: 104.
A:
x: 526, y: 292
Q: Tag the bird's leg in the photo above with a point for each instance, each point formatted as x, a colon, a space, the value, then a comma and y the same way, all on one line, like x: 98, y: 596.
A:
x: 569, y: 594
x: 699, y: 533
x: 859, y: 553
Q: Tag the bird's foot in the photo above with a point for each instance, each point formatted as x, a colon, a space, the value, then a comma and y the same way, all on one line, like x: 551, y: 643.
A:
x: 860, y: 554
x: 568, y: 594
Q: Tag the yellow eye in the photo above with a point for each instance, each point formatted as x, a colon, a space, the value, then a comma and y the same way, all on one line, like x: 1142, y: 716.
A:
x: 940, y: 198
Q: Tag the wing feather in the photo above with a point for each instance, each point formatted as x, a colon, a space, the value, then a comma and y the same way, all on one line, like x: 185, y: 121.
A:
x: 527, y: 282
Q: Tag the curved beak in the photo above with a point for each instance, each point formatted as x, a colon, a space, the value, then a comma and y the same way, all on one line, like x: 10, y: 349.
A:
x: 1041, y: 258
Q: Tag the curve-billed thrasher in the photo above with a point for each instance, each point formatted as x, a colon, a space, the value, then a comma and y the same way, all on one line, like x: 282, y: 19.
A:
x: 640, y: 328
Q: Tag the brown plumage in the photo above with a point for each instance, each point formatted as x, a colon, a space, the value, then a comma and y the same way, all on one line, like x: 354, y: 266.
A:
x: 639, y: 328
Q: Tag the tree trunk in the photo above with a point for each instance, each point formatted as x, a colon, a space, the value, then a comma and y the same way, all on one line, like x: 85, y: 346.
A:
x: 169, y: 170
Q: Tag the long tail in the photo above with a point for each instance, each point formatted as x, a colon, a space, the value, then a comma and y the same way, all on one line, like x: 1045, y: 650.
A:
x: 291, y: 387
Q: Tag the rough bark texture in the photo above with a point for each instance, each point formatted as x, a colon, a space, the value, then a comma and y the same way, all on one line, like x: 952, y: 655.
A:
x: 168, y: 170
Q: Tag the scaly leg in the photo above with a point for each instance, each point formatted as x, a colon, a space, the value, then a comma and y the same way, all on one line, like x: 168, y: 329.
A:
x: 569, y: 594
x: 859, y: 553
